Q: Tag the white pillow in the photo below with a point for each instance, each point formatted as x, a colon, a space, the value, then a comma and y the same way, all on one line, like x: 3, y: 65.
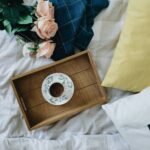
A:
x: 131, y: 116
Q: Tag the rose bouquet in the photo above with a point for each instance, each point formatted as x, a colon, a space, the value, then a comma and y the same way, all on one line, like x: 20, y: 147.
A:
x: 35, y: 25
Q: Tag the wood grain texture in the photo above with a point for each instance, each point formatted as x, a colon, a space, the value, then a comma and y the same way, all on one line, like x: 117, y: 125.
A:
x: 88, y: 90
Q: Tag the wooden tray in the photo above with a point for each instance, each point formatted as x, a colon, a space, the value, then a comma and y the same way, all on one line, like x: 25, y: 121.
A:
x: 88, y: 91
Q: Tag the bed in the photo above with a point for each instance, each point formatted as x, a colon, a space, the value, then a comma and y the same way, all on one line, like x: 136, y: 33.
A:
x: 89, y: 130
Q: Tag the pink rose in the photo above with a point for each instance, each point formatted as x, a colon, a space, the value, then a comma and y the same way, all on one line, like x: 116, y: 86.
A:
x: 46, y: 49
x: 45, y: 28
x: 45, y: 8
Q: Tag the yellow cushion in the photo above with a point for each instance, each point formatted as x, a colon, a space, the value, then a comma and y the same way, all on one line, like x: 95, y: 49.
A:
x: 130, y: 67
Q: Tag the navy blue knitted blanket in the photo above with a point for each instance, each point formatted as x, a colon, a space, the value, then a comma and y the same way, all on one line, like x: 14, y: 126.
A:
x: 75, y: 19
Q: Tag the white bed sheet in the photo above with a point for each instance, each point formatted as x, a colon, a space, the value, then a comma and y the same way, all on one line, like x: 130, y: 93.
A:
x: 89, y: 130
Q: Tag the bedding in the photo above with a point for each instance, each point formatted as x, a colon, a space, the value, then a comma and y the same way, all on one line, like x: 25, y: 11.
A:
x: 130, y: 69
x: 131, y: 117
x: 89, y: 130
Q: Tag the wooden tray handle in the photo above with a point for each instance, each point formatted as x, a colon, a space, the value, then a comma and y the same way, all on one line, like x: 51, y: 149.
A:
x: 22, y: 102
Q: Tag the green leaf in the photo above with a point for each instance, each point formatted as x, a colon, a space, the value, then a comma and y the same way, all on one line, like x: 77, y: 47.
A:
x: 32, y: 49
x: 3, y: 2
x: 19, y: 29
x: 11, y: 14
x: 1, y: 17
x: 25, y: 20
x: 7, y: 26
x: 11, y: 2
x: 19, y: 2
x: 25, y: 10
x: 1, y: 10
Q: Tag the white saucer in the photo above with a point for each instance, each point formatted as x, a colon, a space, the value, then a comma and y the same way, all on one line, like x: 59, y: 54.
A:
x: 62, y: 79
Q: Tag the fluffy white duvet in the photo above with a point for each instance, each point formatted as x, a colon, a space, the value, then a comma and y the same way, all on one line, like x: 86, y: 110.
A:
x: 89, y: 130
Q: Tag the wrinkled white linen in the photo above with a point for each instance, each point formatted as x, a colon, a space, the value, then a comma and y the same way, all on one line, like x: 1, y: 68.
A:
x: 131, y: 117
x: 78, y: 142
x: 89, y: 130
